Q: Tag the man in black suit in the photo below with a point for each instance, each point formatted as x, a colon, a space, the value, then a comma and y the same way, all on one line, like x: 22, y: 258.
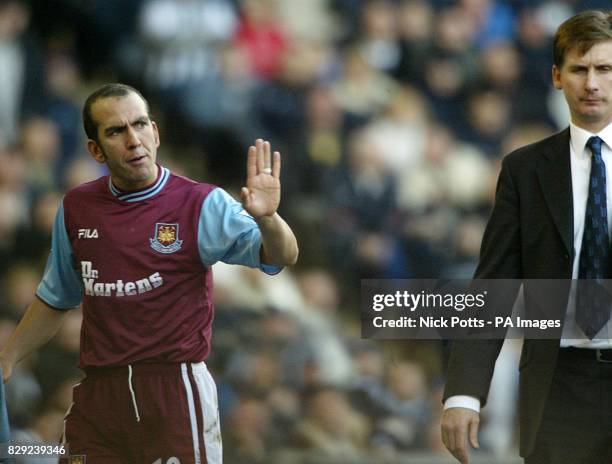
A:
x: 551, y: 221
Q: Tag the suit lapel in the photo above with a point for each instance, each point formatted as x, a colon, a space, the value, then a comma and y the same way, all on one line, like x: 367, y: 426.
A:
x: 554, y: 173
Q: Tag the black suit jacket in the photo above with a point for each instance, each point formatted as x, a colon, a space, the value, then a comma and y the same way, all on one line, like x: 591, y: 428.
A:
x: 529, y: 236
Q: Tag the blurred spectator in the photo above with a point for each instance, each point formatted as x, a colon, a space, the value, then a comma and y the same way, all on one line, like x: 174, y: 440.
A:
x: 306, y: 20
x: 247, y: 435
x: 489, y: 116
x: 399, y: 132
x: 281, y: 101
x: 80, y: 170
x: 362, y: 214
x: 181, y: 40
x: 20, y: 284
x: 41, y: 147
x: 45, y: 428
x: 524, y: 134
x: 63, y: 107
x: 318, y: 150
x: 378, y: 41
x: 362, y: 90
x: 23, y: 394
x: 501, y: 67
x: 57, y: 362
x: 534, y: 49
x: 369, y: 364
x: 22, y: 85
x: 12, y: 211
x: 223, y: 99
x: 451, y: 67
x: 262, y: 37
x: 492, y: 20
x: 318, y: 319
x: 331, y: 427
x: 33, y: 238
x: 255, y: 372
x: 466, y: 247
x: 13, y: 171
x: 404, y: 410
x: 415, y: 25
x: 451, y: 173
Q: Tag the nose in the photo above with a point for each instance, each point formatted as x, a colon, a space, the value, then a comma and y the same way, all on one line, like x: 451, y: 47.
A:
x: 591, y: 83
x: 131, y: 138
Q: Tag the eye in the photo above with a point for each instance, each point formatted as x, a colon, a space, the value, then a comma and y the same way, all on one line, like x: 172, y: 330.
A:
x: 140, y: 124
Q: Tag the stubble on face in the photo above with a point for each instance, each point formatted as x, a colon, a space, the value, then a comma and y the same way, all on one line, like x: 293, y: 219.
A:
x: 128, y: 178
x: 127, y: 141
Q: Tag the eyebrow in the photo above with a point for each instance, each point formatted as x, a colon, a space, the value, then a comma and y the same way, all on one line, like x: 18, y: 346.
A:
x: 584, y: 66
x: 119, y: 128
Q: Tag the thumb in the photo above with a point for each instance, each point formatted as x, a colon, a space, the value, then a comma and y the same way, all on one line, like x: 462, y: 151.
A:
x: 473, y: 431
x: 244, y: 196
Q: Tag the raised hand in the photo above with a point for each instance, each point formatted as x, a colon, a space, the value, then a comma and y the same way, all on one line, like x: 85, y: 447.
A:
x: 261, y: 195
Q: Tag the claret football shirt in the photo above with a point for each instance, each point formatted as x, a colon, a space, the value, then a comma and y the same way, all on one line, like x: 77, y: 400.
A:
x: 140, y: 265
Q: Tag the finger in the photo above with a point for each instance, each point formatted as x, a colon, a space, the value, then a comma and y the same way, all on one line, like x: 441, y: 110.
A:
x: 446, y: 432
x: 459, y: 448
x: 462, y: 456
x: 260, y: 157
x: 276, y: 165
x: 460, y: 453
x: 267, y: 156
x: 251, y: 162
x: 473, y: 426
x: 461, y: 439
x: 447, y: 438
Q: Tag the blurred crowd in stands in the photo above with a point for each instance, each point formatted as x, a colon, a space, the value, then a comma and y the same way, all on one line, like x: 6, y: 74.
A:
x: 391, y: 116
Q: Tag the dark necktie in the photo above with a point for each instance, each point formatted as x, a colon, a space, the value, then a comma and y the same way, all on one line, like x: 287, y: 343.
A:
x: 593, y: 301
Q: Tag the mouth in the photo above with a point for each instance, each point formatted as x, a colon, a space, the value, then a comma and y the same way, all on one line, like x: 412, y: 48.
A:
x: 139, y: 159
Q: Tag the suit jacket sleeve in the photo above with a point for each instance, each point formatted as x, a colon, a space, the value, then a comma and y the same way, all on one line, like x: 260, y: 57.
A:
x: 472, y: 362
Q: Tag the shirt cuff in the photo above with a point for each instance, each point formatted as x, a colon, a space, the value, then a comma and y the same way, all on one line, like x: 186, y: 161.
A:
x: 463, y: 401
x: 270, y: 269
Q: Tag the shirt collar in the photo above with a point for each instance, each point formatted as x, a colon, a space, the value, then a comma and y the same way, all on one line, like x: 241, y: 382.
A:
x: 144, y: 194
x: 579, y: 138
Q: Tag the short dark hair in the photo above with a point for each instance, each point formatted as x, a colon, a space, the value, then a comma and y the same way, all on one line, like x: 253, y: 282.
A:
x: 107, y: 90
x: 581, y: 31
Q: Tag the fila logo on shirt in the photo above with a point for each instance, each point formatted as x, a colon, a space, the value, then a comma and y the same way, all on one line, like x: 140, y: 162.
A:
x: 119, y: 287
x: 88, y: 233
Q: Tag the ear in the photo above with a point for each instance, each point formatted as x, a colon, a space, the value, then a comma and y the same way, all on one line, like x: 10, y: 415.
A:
x: 556, y: 77
x: 155, y: 133
x: 95, y: 151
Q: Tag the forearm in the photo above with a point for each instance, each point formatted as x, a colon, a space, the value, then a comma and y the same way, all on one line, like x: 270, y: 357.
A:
x: 279, y: 245
x: 38, y: 325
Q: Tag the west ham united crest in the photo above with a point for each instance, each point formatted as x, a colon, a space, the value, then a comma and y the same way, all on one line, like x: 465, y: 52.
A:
x: 166, y: 239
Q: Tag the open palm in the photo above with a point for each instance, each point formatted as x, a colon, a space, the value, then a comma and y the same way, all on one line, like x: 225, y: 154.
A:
x: 261, y: 195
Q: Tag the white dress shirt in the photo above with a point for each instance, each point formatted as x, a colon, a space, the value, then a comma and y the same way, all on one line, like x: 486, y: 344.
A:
x: 580, y: 161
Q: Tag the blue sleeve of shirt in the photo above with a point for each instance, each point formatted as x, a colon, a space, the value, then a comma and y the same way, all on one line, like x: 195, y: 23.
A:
x: 226, y: 232
x: 61, y: 286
